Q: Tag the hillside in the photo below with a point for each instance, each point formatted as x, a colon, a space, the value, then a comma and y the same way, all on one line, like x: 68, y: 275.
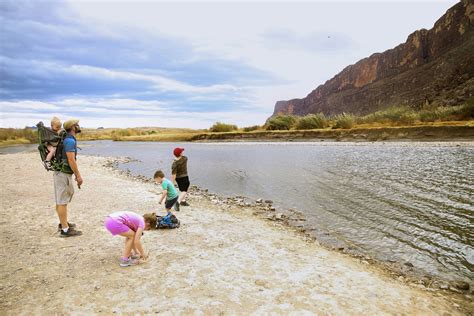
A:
x: 433, y: 67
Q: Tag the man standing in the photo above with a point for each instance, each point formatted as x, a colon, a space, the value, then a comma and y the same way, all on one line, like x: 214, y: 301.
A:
x: 63, y: 186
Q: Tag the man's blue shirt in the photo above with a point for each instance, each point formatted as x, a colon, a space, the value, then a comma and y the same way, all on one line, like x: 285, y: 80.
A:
x: 69, y: 146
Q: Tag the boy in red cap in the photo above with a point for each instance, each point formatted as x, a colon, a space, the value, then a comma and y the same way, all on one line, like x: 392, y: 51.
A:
x: 179, y: 174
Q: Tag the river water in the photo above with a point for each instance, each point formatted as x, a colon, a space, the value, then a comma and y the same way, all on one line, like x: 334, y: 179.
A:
x: 405, y: 202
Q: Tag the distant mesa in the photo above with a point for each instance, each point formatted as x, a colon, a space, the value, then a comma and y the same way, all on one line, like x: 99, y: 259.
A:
x: 433, y: 67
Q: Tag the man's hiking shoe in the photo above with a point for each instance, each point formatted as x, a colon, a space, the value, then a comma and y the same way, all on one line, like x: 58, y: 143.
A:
x: 128, y: 262
x: 184, y: 203
x: 71, y: 232
x: 176, y: 206
x: 71, y: 225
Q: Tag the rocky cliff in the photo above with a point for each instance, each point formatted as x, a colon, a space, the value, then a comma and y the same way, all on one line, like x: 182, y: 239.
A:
x: 433, y: 66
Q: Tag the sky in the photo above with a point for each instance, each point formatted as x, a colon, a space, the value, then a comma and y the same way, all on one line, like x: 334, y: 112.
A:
x: 184, y: 64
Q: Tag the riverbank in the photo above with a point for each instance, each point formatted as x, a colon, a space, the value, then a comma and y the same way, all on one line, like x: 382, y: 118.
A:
x: 437, y: 131
x: 409, y: 133
x: 223, y: 259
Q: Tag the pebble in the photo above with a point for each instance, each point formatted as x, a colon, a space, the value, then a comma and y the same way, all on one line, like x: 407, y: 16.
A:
x: 97, y: 287
x: 455, y: 290
x: 269, y: 201
x: 461, y: 285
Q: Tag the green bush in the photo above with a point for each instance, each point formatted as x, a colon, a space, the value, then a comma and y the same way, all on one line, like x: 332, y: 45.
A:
x: 251, y: 128
x: 280, y: 122
x: 344, y: 121
x: 429, y: 116
x: 395, y: 115
x: 449, y: 113
x: 408, y: 118
x: 219, y: 127
x: 312, y: 121
x: 467, y: 110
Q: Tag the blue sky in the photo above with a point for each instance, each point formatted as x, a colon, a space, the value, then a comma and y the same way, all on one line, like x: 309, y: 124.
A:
x: 184, y: 64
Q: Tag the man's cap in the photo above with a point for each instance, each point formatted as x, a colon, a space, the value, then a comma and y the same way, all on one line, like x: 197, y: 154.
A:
x: 177, y: 151
x: 68, y: 124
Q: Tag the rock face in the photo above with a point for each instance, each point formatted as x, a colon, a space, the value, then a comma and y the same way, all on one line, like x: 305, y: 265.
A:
x: 433, y: 66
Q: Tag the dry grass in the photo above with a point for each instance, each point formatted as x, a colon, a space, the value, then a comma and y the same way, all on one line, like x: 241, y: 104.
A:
x: 462, y: 115
x: 162, y: 137
x: 16, y: 141
x: 139, y: 134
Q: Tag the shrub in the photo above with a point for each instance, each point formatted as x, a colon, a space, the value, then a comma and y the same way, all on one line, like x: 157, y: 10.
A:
x: 395, y: 115
x: 17, y: 133
x: 408, y: 118
x: 125, y: 132
x: 467, y: 110
x: 429, y: 116
x: 280, y: 122
x: 449, y: 113
x: 219, y: 127
x: 251, y: 128
x: 344, y: 121
x: 312, y: 121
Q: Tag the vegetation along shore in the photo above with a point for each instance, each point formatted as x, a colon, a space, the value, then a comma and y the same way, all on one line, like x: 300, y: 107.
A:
x: 397, y: 123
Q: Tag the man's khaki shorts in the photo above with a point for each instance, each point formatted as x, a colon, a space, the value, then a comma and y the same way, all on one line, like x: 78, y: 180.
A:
x: 63, y: 188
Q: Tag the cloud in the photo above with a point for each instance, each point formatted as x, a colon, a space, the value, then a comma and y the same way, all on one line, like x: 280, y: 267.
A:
x: 51, y: 54
x: 6, y: 106
x: 152, y: 63
x: 119, y: 113
x: 159, y: 82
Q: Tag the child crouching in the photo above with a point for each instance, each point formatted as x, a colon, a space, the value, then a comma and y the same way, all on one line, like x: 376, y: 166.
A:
x: 129, y: 225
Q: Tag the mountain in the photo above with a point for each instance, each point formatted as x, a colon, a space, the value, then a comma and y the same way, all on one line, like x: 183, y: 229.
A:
x: 433, y: 67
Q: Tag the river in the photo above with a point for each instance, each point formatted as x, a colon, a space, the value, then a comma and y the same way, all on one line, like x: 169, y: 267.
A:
x: 408, y: 202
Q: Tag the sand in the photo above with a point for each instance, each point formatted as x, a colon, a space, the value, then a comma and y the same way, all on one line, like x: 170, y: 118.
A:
x: 220, y: 261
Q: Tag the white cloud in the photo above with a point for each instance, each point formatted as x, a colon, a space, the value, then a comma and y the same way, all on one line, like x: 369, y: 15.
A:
x: 159, y: 82
x: 112, y: 104
x: 101, y: 112
x: 26, y: 105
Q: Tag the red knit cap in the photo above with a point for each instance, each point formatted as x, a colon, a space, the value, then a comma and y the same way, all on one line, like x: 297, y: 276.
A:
x: 177, y: 151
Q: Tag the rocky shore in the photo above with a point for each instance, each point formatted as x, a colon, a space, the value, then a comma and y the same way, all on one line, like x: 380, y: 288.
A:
x: 295, y: 220
x: 230, y: 255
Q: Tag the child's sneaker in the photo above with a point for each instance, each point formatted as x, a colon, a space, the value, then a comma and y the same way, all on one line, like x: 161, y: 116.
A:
x: 47, y: 165
x: 184, y: 203
x: 128, y: 262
